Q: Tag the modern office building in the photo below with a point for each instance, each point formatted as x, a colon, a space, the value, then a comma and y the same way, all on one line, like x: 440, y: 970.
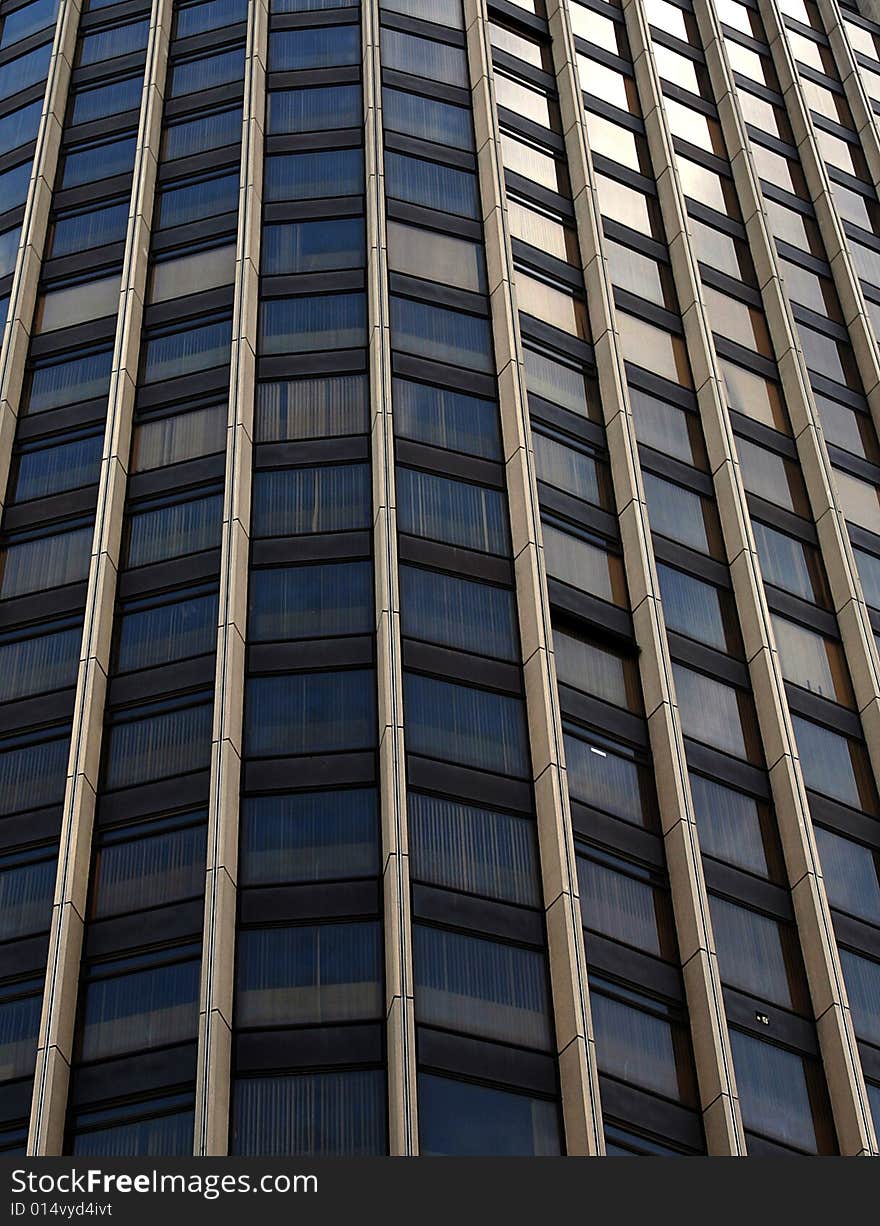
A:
x: 440, y: 577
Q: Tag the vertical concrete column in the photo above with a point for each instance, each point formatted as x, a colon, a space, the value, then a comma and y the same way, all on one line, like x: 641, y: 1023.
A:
x: 814, y: 920
x: 786, y: 781
x: 16, y: 335
x: 213, y: 1065
x: 71, y: 886
x: 568, y: 971
x: 718, y: 1100
x: 400, y: 1011
x: 846, y: 280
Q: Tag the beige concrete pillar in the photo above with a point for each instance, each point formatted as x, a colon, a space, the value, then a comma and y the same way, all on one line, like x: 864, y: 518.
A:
x: 400, y: 1011
x: 56, y: 1033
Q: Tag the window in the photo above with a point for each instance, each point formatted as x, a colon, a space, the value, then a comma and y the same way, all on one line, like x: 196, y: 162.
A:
x: 417, y: 252
x: 39, y: 665
x: 313, y: 974
x: 192, y: 274
x: 456, y: 512
x: 606, y: 780
x: 321, y: 1115
x: 609, y: 84
x: 173, y: 531
x: 44, y: 562
x: 831, y: 358
x: 469, y: 1120
x: 441, y: 335
x: 443, y: 12
x: 860, y: 501
x: 140, y: 1010
x: 309, y: 836
x: 781, y: 1094
x: 667, y: 428
x: 481, y: 987
x: 431, y: 184
x: 314, y: 47
x: 637, y: 1041
x: 629, y: 207
x: 184, y: 352
x: 584, y: 565
x: 161, y: 441
x: 654, y: 349
x: 737, y: 321
x: 576, y: 472
x: 315, y: 109
x: 310, y: 713
x: 162, y: 1136
x: 812, y: 661
x: 102, y: 161
x: 617, y: 143
x: 32, y: 776
x: 82, y: 231
x: 302, y: 602
x: 158, y: 746
x: 25, y: 70
x: 698, y: 610
x: 99, y: 45
x: 596, y: 670
x: 50, y: 470
x: 682, y: 515
x: 625, y: 902
x: 313, y: 176
x: 561, y: 384
x: 426, y: 118
x: 472, y: 727
x: 74, y: 304
x: 759, y: 955
x: 473, y: 850
x: 543, y: 231
x: 421, y: 57
x: 212, y: 131
x: 721, y: 251
x: 310, y: 246
x: 131, y: 874
x: 26, y: 893
x: 734, y: 828
x: 852, y: 874
x: 456, y: 612
x: 772, y: 477
x: 27, y: 20
x: 210, y: 15
x: 445, y: 418
x: 717, y: 714
x: 552, y: 305
x: 176, y: 630
x: 531, y: 164
x: 640, y: 274
x: 290, y: 502
x: 87, y: 105
x: 302, y: 325
x: 325, y: 407
x: 790, y: 564
x: 862, y: 976
x: 207, y: 72
x: 835, y: 765
x: 19, y: 1025
x: 20, y: 127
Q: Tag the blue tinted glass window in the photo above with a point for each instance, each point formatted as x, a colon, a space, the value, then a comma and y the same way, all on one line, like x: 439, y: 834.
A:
x: 69, y: 382
x: 302, y: 602
x: 180, y: 353
x: 314, y: 47
x: 158, y: 747
x: 198, y: 135
x: 323, y: 1115
x: 694, y: 608
x: 311, y: 176
x: 92, y: 229
x: 32, y: 776
x: 166, y: 1136
x: 112, y: 99
x: 136, y: 873
x: 207, y: 198
x: 26, y: 892
x: 19, y: 1023
x: 309, y: 836
x: 458, y: 612
x: 45, y: 562
x: 314, y: 110
x: 25, y: 71
x: 14, y: 185
x: 431, y: 184
x: 20, y: 127
x: 213, y: 15
x: 309, y: 246
x: 324, y: 407
x: 474, y: 727
x: 835, y: 765
x: 27, y: 20
x: 607, y: 781
x: 851, y: 872
x: 207, y: 72
x: 176, y: 631
x: 427, y: 119
x: 642, y: 1048
x: 442, y: 335
x: 66, y: 467
x: 9, y: 252
x: 141, y: 1010
x: 172, y: 531
x: 38, y: 665
x: 422, y: 57
x: 98, y: 162
x: 454, y: 511
x: 297, y: 325
x: 445, y: 418
x: 310, y: 713
x: 329, y: 499
x: 118, y: 40
x: 308, y: 975
x: 459, y: 1118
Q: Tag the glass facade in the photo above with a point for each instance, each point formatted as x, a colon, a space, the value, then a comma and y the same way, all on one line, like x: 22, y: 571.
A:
x: 439, y: 577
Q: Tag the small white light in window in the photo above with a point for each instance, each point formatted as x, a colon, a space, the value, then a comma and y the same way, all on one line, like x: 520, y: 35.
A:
x: 599, y: 752
x: 762, y: 1018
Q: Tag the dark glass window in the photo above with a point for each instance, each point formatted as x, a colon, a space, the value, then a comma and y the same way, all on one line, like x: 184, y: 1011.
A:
x: 305, y: 602
x: 682, y: 515
x: 173, y: 631
x: 481, y: 987
x: 469, y: 1120
x: 790, y: 564
x: 835, y: 765
x: 442, y: 335
x: 154, y: 870
x: 309, y: 975
x: 184, y: 352
x: 161, y: 441
x: 422, y: 57
x: 326, y: 1114
x: 27, y: 20
x: 21, y: 126
x: 191, y: 136
x: 474, y: 727
x: 172, y: 531
x: 206, y: 72
x: 26, y: 893
x: 316, y: 109
x: 158, y: 746
x: 862, y: 977
x: 106, y: 44
x: 667, y: 428
x: 302, y: 325
x: 310, y: 246
x: 717, y: 714
x: 608, y: 781
x: 161, y: 1136
x: 759, y: 955
x: 781, y: 1094
x: 596, y: 670
x: 431, y: 184
x: 307, y: 713
x: 444, y: 418
x: 852, y: 874
x: 639, y: 1041
x: 314, y: 47
x: 32, y: 776
x: 734, y: 827
x: 427, y: 119
x: 68, y: 382
x: 697, y: 609
x: 140, y: 1010
x: 311, y: 408
x: 85, y: 165
x: 212, y: 15
x: 91, y: 104
x: 19, y: 1024
x: 309, y: 836
x: 623, y: 901
x: 457, y: 612
x: 69, y: 466
x: 566, y: 467
x: 473, y: 850
x: 458, y: 512
x: 289, y: 502
x: 25, y: 70
x: 39, y: 665
x: 209, y: 197
x: 45, y: 562
x: 561, y: 384
x: 311, y: 176
x: 85, y: 230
